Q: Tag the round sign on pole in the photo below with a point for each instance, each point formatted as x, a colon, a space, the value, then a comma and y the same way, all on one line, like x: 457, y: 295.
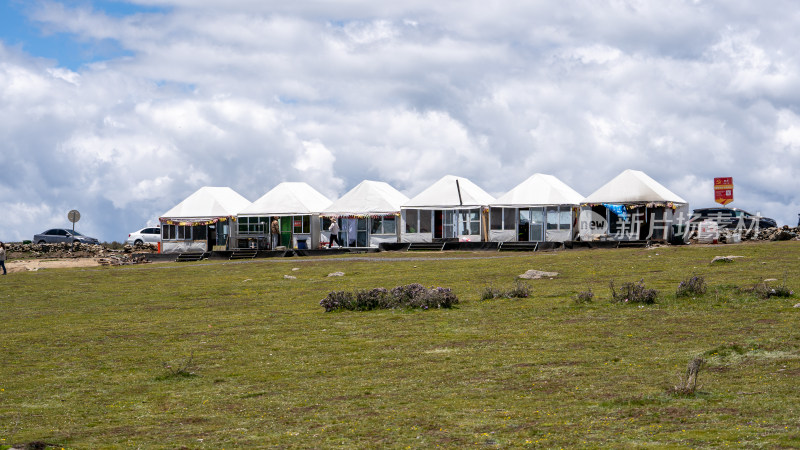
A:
x: 74, y: 216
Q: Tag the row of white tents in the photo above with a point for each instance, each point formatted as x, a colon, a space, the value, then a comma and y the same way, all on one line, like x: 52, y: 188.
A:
x: 632, y: 206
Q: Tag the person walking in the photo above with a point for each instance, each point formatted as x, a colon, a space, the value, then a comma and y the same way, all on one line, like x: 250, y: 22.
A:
x: 3, y: 257
x: 334, y: 229
x: 275, y: 229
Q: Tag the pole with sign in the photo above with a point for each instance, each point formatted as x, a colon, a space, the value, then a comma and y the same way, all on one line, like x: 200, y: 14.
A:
x: 723, y: 190
x: 73, y: 217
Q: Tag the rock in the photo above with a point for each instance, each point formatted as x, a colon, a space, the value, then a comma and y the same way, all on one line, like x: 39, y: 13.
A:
x: 295, y: 269
x: 797, y: 305
x: 289, y: 277
x: 725, y: 259
x: 336, y: 274
x: 537, y: 275
x: 783, y: 235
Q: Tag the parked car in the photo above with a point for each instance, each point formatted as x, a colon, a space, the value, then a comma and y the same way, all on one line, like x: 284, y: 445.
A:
x: 150, y: 235
x: 729, y: 219
x: 56, y: 235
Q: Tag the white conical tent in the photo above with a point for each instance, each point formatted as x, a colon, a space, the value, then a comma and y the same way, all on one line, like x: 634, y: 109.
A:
x: 540, y: 189
x: 368, y: 197
x: 208, y: 203
x: 287, y: 199
x: 450, y: 192
x: 633, y: 186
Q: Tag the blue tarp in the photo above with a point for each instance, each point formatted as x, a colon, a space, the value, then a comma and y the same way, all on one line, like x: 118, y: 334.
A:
x: 619, y: 210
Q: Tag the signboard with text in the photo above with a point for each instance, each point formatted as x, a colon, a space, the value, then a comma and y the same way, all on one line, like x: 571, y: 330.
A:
x: 723, y: 190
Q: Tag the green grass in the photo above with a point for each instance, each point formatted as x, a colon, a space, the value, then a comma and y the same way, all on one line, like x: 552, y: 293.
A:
x: 232, y: 355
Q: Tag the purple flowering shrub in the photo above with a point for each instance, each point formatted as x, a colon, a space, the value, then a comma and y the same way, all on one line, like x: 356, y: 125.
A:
x: 633, y: 293
x: 690, y: 287
x: 520, y: 290
x: 409, y: 296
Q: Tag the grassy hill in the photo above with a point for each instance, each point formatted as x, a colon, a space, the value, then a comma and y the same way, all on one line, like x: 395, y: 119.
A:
x: 226, y: 355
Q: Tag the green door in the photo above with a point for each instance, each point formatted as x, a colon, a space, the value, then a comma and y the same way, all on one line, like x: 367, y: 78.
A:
x: 286, y: 231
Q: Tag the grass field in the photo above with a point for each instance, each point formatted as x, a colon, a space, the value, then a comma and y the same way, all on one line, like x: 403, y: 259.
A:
x: 227, y: 355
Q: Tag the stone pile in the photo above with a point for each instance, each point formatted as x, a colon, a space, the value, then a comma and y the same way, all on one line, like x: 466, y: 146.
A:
x: 784, y: 233
x: 123, y: 260
x: 140, y: 248
x: 60, y: 250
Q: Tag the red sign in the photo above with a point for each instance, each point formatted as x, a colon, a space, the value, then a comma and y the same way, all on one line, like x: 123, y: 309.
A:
x: 298, y: 223
x: 723, y: 190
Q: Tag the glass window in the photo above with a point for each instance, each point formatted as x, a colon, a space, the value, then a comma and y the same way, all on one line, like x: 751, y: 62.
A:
x: 474, y: 222
x: 301, y: 224
x: 325, y: 223
x: 390, y: 225
x: 199, y: 232
x: 425, y: 221
x: 184, y: 232
x: 412, y: 222
x: 377, y: 225
x: 168, y: 232
x: 496, y: 218
x: 565, y: 219
x: 552, y: 218
x: 509, y: 214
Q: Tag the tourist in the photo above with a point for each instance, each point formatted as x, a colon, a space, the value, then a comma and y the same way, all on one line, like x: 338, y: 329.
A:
x: 3, y: 257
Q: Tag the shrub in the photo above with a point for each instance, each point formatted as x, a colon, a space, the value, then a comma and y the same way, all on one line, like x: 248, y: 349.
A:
x: 520, y: 290
x: 490, y: 293
x: 694, y: 286
x: 408, y: 296
x: 687, y: 385
x: 337, y: 300
x: 584, y: 297
x: 633, y: 293
x: 763, y: 290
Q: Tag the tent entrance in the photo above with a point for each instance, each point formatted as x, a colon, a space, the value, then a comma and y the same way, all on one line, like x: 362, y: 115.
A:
x: 286, y: 231
x: 212, y: 236
x: 438, y: 216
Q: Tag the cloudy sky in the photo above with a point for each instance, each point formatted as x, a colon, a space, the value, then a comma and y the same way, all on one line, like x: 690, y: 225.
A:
x: 121, y: 109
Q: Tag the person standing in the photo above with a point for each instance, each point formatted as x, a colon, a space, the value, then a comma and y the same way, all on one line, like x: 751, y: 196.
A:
x: 3, y: 257
x: 334, y: 229
x: 275, y: 229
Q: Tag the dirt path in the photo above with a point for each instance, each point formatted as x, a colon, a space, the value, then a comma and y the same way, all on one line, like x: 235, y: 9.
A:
x: 32, y: 265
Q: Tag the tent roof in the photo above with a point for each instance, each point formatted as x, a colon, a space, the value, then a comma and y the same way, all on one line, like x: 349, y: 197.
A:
x: 209, y: 202
x: 540, y: 189
x: 286, y: 199
x: 632, y: 186
x: 368, y: 197
x: 445, y: 194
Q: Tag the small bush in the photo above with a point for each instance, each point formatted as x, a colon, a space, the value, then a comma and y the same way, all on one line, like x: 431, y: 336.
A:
x: 584, y: 297
x: 337, y: 300
x: 764, y: 291
x: 490, y: 293
x: 408, y: 296
x: 186, y: 369
x: 691, y: 287
x: 633, y: 293
x: 520, y: 290
x: 687, y: 385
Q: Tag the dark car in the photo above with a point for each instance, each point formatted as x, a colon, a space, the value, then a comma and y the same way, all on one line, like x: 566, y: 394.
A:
x: 56, y: 235
x: 730, y: 219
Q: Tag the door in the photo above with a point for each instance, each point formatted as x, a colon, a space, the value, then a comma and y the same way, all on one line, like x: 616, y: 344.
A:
x: 212, y: 236
x: 286, y: 231
x: 537, y: 224
x: 524, y: 228
x: 438, y: 224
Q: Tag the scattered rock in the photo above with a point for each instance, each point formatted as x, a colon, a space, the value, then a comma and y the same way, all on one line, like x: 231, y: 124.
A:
x: 295, y: 269
x: 797, y: 305
x: 537, y: 275
x: 336, y: 274
x: 289, y: 277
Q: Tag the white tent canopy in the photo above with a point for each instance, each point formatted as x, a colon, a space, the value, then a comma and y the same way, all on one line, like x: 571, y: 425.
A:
x: 368, y: 197
x: 633, y: 186
x: 450, y: 192
x: 540, y: 189
x: 207, y: 203
x: 287, y: 199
